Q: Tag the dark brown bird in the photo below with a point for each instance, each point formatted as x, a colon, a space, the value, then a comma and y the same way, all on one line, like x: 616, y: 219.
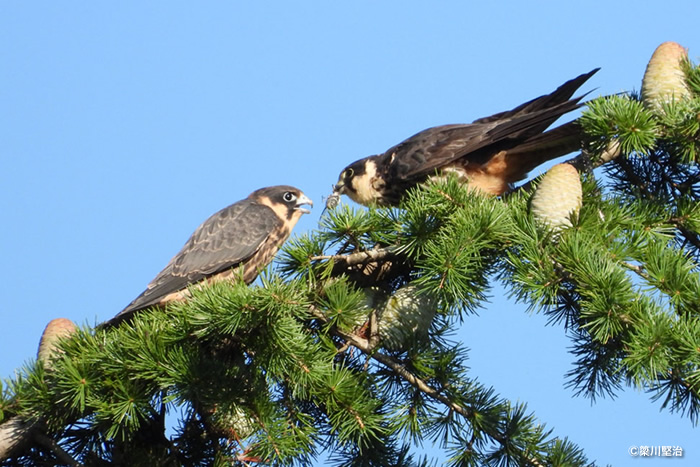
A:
x: 246, y: 234
x: 490, y: 154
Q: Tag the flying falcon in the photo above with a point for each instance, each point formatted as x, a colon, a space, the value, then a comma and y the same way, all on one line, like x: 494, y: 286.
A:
x: 491, y: 153
x: 246, y: 234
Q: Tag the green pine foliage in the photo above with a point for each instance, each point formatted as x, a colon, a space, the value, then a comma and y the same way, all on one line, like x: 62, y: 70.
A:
x: 292, y: 367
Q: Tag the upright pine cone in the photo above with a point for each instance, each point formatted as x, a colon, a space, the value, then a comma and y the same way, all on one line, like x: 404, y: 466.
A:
x: 405, y: 317
x: 233, y: 421
x: 557, y: 197
x: 664, y: 79
x: 56, y: 329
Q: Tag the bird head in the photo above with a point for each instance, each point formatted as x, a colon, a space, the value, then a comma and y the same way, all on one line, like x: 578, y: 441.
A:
x: 285, y: 200
x: 298, y: 200
x: 359, y: 181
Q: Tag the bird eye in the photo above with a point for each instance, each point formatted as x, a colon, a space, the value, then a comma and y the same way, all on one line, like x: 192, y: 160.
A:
x: 348, y: 173
x: 289, y: 196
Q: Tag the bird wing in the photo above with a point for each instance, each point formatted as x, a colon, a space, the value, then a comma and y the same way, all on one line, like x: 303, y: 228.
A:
x: 423, y: 152
x: 561, y: 94
x: 228, y: 238
x: 436, y: 147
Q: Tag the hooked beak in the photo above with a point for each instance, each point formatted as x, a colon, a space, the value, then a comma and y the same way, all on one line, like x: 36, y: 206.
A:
x: 302, y: 200
x: 339, y: 187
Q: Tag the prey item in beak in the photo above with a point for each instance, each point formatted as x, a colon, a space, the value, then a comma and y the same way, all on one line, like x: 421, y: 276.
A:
x: 302, y: 200
x: 333, y: 200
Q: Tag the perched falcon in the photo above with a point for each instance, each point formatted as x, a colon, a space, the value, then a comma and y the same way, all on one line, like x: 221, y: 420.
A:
x: 491, y: 153
x: 247, y: 233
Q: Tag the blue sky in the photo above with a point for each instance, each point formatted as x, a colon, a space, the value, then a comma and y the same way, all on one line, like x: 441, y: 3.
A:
x: 124, y: 125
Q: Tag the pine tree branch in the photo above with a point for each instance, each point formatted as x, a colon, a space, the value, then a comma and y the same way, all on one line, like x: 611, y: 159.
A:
x: 365, y: 347
x: 13, y: 433
x: 360, y: 257
x: 690, y: 236
x: 639, y: 270
x: 53, y: 446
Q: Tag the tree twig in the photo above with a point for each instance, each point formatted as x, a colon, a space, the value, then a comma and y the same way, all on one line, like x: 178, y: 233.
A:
x: 53, y: 446
x: 689, y: 235
x: 360, y: 257
x: 364, y: 346
x: 635, y: 268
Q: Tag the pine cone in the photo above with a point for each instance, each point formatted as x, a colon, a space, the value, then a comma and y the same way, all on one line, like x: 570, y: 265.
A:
x: 233, y: 422
x: 405, y: 317
x: 557, y: 197
x: 56, y: 329
x: 664, y: 79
